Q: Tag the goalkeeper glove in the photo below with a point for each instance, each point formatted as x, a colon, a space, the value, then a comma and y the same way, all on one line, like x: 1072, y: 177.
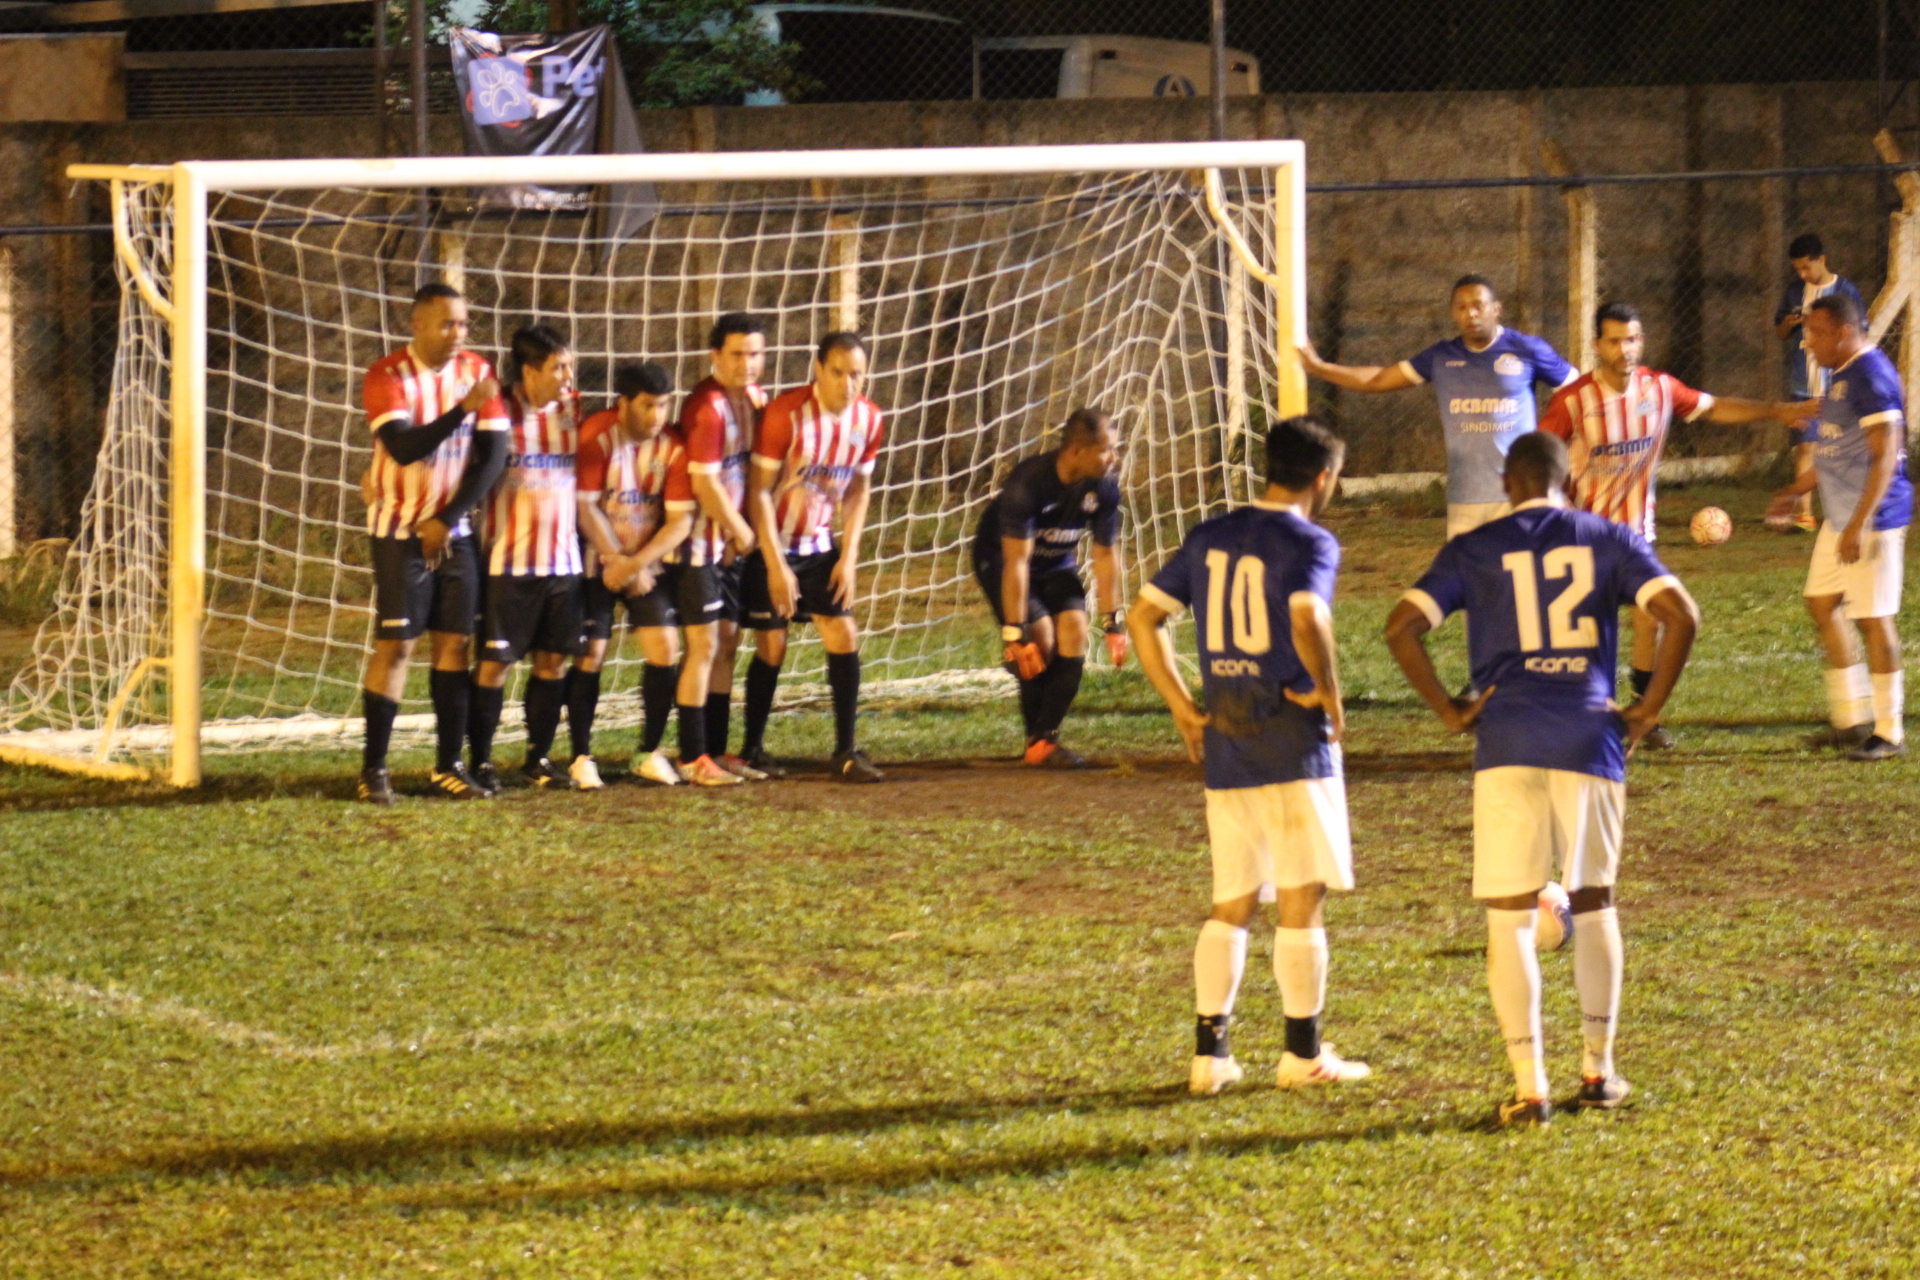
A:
x: 1116, y: 630
x: 1023, y: 657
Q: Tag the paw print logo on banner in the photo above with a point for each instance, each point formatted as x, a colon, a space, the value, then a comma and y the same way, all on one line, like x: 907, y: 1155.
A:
x: 500, y: 93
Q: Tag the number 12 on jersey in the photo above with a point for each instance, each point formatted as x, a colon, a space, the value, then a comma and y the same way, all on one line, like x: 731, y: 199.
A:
x: 1562, y: 630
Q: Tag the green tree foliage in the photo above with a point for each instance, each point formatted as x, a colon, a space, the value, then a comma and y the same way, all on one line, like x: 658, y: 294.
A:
x: 676, y: 53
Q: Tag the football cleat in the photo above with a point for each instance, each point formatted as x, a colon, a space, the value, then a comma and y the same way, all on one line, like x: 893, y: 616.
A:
x: 539, y: 771
x: 1328, y: 1068
x: 1877, y: 748
x: 705, y: 773
x: 1210, y: 1075
x: 1805, y: 523
x: 853, y: 766
x: 486, y: 778
x: 1605, y: 1093
x: 740, y: 768
x: 1045, y: 753
x: 585, y: 774
x: 759, y: 759
x: 376, y: 787
x: 655, y: 767
x: 1659, y: 739
x: 1840, y: 739
x: 457, y: 784
x: 1522, y: 1113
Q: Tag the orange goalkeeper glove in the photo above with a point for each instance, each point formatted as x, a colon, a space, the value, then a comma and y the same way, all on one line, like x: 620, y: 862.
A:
x: 1116, y: 631
x: 1022, y: 656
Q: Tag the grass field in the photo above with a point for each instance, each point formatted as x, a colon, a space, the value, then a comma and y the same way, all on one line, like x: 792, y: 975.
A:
x: 940, y: 1027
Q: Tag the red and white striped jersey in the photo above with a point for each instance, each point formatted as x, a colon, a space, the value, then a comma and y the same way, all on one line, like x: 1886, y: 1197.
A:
x: 401, y: 389
x: 718, y: 443
x: 635, y: 482
x: 533, y: 527
x: 1614, y: 441
x: 817, y: 455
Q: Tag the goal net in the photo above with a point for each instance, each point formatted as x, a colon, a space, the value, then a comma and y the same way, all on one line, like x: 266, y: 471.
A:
x: 218, y: 596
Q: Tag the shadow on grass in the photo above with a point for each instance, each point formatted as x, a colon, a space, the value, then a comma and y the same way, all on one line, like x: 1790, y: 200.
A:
x: 414, y: 1156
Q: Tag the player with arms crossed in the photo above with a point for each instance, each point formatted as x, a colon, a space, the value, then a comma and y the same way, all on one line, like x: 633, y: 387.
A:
x: 534, y: 600
x: 1860, y: 466
x: 814, y: 457
x: 636, y: 506
x: 1023, y: 559
x: 1545, y: 586
x: 439, y: 432
x: 717, y: 425
x: 1615, y: 421
x: 1260, y: 583
x: 1483, y: 380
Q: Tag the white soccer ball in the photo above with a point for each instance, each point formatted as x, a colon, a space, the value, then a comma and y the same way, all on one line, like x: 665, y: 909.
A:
x: 1711, y: 526
x: 1555, y: 923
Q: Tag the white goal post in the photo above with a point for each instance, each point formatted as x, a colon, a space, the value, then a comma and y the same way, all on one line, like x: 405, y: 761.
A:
x: 1168, y: 276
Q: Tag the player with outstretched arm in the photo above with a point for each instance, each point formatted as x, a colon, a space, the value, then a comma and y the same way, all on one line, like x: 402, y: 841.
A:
x: 535, y: 601
x: 1615, y: 421
x: 1859, y: 555
x: 813, y: 459
x: 1260, y: 583
x: 1024, y: 561
x: 1483, y: 380
x: 1545, y: 586
x: 439, y: 431
x: 636, y: 507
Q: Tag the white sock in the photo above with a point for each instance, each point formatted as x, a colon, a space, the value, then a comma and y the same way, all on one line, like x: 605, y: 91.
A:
x: 1849, y: 695
x: 1300, y: 967
x: 1513, y: 979
x: 1597, y: 961
x: 1890, y: 705
x: 1219, y: 958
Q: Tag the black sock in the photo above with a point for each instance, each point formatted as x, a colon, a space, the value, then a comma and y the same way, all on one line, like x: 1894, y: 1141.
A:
x: 1030, y: 691
x: 1303, y: 1037
x: 544, y: 700
x: 1639, y: 680
x: 452, y: 697
x: 483, y: 720
x: 719, y: 709
x: 762, y: 679
x: 1062, y: 684
x: 583, y: 698
x: 657, y: 685
x: 1210, y: 1037
x: 693, y: 732
x: 843, y: 677
x: 380, y: 711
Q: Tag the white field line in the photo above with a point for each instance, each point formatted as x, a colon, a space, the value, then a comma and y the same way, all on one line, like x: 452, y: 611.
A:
x: 118, y: 1002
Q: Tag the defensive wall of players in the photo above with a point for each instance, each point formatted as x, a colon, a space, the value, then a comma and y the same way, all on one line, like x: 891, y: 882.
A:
x: 1705, y: 261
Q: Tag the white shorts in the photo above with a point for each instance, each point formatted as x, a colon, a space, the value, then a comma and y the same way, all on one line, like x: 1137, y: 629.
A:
x: 1284, y: 835
x: 1871, y: 584
x: 1465, y: 517
x: 1527, y: 820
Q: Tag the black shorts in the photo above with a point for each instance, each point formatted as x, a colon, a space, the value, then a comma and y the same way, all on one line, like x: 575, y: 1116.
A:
x: 409, y: 598
x: 726, y: 578
x: 696, y: 592
x: 815, y: 600
x: 654, y: 609
x: 529, y: 614
x: 1049, y: 591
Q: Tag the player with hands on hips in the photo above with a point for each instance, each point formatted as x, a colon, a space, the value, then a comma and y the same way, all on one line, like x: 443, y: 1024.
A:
x: 1024, y: 558
x: 1545, y: 586
x: 1260, y: 583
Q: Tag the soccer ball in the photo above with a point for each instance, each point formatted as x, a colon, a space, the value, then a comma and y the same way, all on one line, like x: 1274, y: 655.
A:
x: 1711, y: 526
x: 1555, y: 923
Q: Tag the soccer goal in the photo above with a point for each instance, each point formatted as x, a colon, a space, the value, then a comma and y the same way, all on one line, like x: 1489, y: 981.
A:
x: 218, y: 595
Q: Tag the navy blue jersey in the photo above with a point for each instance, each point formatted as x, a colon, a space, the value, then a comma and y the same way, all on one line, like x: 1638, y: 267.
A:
x: 1239, y: 573
x: 1486, y: 403
x: 1034, y: 504
x: 1543, y: 589
x: 1864, y: 392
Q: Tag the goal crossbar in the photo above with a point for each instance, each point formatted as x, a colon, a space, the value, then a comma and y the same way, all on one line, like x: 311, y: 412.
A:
x: 187, y: 186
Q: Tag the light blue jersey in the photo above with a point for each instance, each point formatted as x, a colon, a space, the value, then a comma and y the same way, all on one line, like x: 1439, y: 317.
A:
x: 1545, y: 587
x: 1863, y: 392
x: 1239, y: 574
x: 1486, y: 403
